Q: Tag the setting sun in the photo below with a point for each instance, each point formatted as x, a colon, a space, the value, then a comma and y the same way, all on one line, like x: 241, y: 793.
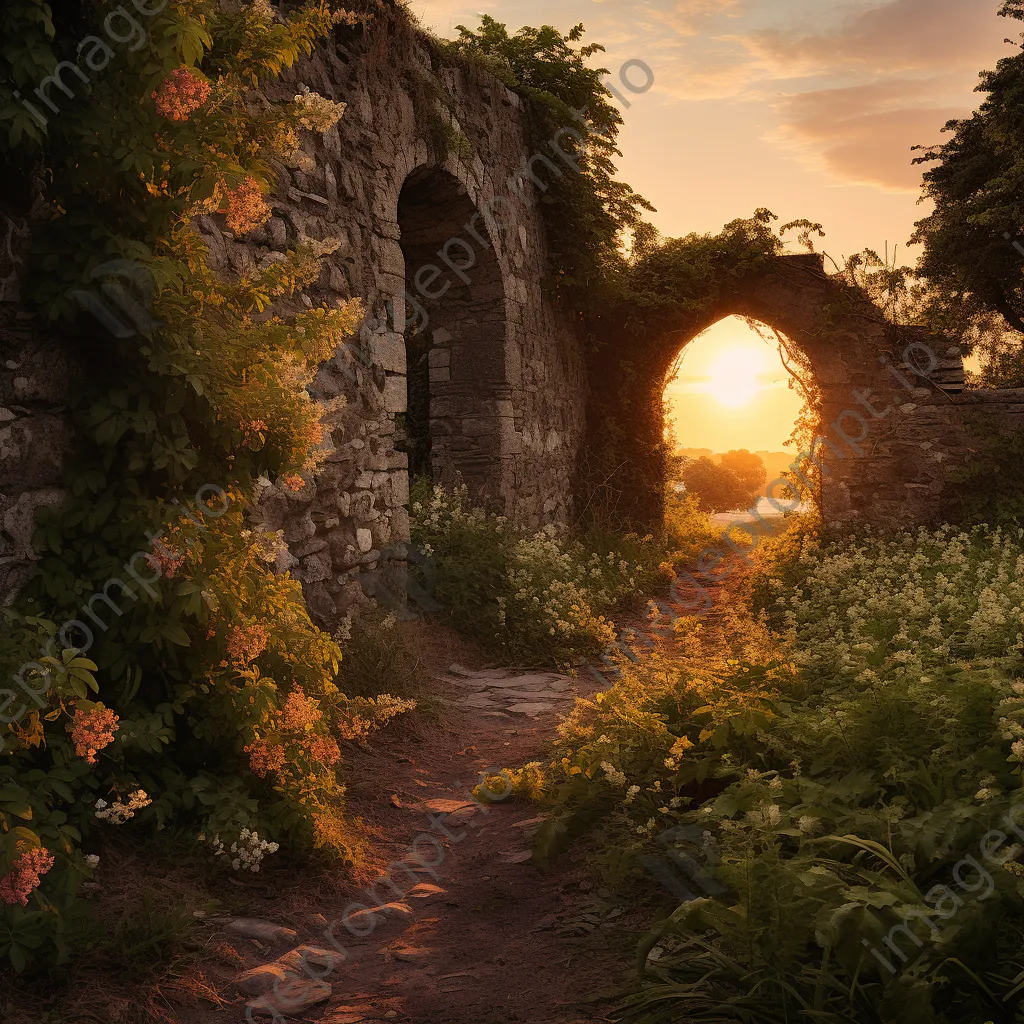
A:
x: 734, y: 378
x: 730, y: 390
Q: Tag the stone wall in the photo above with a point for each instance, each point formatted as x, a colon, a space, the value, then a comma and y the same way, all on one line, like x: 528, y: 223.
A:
x: 898, y: 431
x: 890, y: 428
x: 447, y: 251
x: 463, y: 368
x: 897, y: 428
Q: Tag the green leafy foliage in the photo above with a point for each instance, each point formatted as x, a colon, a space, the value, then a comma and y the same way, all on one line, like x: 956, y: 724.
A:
x: 535, y: 598
x: 843, y: 772
x: 991, y: 489
x: 573, y: 124
x: 163, y: 674
x: 975, y: 184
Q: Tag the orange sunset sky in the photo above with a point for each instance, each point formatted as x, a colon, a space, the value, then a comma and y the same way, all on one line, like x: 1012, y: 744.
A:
x: 807, y: 107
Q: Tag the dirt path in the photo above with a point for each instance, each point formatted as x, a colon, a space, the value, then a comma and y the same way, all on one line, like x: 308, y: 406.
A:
x: 458, y: 926
x: 453, y: 922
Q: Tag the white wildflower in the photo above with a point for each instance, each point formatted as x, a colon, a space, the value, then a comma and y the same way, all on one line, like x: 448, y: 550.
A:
x: 118, y: 813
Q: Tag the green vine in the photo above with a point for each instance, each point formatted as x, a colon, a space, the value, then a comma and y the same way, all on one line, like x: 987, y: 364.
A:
x: 585, y: 213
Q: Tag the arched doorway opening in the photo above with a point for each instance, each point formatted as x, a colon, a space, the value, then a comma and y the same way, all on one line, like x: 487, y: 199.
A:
x: 737, y: 404
x: 455, y: 336
x: 880, y: 388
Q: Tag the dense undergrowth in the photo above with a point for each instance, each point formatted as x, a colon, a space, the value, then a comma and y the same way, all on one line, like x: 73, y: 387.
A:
x: 833, y: 763
x: 534, y: 598
x: 187, y: 690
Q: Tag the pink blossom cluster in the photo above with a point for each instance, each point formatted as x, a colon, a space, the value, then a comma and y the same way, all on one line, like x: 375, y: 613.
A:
x: 246, y: 643
x: 299, y: 712
x: 166, y: 560
x: 247, y: 209
x: 181, y: 93
x: 264, y: 757
x: 325, y: 750
x: 29, y: 867
x: 92, y: 731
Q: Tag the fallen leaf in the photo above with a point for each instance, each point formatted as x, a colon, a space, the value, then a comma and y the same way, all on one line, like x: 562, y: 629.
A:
x: 516, y: 856
x: 527, y: 822
x: 422, y: 890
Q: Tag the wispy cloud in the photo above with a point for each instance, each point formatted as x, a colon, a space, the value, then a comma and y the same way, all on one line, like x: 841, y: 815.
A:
x: 863, y: 134
x: 890, y: 38
x: 851, y: 85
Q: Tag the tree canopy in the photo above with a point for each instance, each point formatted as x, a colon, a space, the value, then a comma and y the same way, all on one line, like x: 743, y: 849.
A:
x: 748, y: 468
x: 977, y: 185
x: 721, y: 487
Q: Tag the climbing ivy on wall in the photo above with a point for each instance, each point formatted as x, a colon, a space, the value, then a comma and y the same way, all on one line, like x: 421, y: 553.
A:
x: 585, y: 213
x: 157, y: 669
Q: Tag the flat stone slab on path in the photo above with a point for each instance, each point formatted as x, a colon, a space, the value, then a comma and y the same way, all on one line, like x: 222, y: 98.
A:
x: 529, y: 681
x: 291, y: 999
x: 502, y: 691
x: 265, y: 931
x: 480, y: 673
x: 532, y: 710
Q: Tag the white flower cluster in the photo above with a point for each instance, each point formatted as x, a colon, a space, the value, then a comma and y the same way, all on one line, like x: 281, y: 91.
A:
x: 908, y: 604
x: 263, y: 10
x: 765, y: 816
x: 347, y: 17
x: 552, y: 582
x: 247, y: 852
x: 615, y: 777
x: 908, y: 617
x: 118, y: 813
x: 316, y: 112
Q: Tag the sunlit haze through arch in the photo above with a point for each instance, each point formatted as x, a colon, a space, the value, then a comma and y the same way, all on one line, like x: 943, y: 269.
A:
x: 731, y: 390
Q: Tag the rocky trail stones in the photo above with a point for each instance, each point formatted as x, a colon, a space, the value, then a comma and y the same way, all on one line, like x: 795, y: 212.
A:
x: 508, y: 694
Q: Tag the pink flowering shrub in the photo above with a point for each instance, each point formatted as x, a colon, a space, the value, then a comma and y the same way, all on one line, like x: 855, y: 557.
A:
x: 265, y: 756
x: 301, y: 743
x: 181, y: 93
x: 93, y: 730
x: 165, y: 559
x: 28, y: 869
x: 299, y: 713
x: 246, y: 207
x: 245, y: 643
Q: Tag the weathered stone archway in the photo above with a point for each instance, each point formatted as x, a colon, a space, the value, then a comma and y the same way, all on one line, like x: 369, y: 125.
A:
x: 507, y: 389
x: 888, y: 394
x: 458, y: 425
x: 443, y: 240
